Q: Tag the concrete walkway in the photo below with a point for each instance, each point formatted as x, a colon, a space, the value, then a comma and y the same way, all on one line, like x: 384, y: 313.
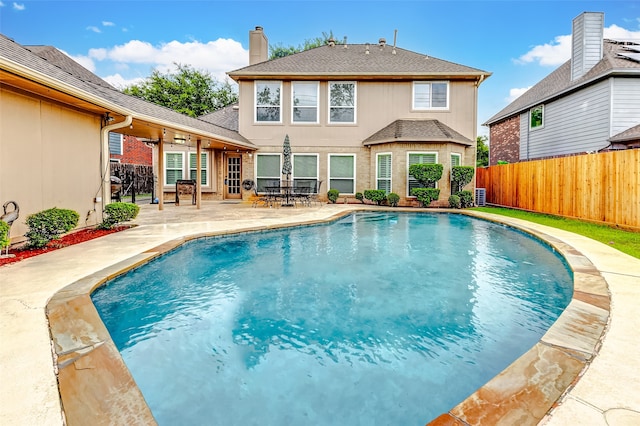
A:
x: 607, y: 394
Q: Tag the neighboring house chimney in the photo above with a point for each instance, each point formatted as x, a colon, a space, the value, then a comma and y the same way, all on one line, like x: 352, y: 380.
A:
x: 258, y: 46
x: 586, y: 43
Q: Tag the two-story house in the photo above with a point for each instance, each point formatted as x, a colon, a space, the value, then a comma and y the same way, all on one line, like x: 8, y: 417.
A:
x: 590, y: 103
x: 357, y: 116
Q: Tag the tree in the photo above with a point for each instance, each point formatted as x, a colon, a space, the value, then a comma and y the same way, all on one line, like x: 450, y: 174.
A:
x: 186, y: 90
x: 280, y: 51
x: 482, y: 153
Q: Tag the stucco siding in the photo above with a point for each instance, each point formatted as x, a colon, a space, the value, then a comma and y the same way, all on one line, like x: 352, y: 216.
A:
x: 576, y: 123
x: 49, y: 157
x: 626, y: 104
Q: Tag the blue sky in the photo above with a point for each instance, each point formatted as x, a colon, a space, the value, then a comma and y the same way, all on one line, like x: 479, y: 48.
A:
x: 520, y: 42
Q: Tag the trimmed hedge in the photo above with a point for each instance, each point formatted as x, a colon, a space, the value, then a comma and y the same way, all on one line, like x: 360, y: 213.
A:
x: 4, y: 234
x: 118, y: 212
x: 48, y: 225
x: 333, y: 195
x: 426, y: 195
x: 426, y: 174
x: 378, y: 196
x: 460, y: 177
x: 466, y: 199
x: 393, y: 199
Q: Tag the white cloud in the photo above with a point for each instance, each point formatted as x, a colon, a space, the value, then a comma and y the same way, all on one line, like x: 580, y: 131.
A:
x: 94, y: 29
x: 549, y: 54
x: 120, y: 82
x: 216, y: 57
x: 108, y: 24
x: 615, y: 32
x: 1, y: 4
x: 559, y: 51
x: 18, y: 6
x: 515, y: 93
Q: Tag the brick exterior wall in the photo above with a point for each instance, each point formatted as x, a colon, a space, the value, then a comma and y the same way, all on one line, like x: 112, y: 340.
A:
x: 134, y: 152
x: 504, y: 141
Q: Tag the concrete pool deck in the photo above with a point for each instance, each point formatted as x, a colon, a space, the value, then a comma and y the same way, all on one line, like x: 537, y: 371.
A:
x: 608, y: 393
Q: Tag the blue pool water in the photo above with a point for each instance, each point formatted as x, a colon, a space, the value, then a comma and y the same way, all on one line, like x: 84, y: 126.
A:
x: 373, y: 319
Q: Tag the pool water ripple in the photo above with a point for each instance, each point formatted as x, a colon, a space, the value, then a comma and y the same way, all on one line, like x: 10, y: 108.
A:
x: 376, y: 318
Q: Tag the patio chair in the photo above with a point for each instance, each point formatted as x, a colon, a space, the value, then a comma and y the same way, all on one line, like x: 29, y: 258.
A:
x: 260, y: 198
x: 302, y: 195
x: 313, y: 195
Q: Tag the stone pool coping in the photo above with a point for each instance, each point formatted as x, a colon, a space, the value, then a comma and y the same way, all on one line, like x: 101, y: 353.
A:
x: 88, y: 351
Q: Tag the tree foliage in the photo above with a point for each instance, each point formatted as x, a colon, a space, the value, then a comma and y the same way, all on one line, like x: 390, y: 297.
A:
x: 482, y: 153
x: 280, y: 51
x: 187, y: 90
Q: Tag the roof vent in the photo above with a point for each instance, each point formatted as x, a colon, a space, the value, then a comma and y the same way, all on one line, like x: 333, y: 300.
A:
x: 259, y: 28
x: 382, y: 42
x: 366, y: 48
x: 345, y: 42
x: 331, y: 42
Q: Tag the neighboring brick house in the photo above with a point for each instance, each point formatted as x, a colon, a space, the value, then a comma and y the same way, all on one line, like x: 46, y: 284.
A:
x: 590, y: 103
x: 357, y: 115
x: 129, y: 150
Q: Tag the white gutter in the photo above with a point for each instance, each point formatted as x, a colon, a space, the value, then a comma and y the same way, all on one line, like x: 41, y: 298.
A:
x: 105, y: 166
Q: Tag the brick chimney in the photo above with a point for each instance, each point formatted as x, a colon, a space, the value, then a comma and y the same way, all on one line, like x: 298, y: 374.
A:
x: 586, y: 43
x: 258, y: 46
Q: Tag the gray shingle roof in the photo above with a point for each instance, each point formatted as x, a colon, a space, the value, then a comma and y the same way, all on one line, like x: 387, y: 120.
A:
x: 631, y: 134
x: 353, y: 61
x: 425, y: 130
x: 559, y: 82
x: 226, y: 117
x: 53, y: 64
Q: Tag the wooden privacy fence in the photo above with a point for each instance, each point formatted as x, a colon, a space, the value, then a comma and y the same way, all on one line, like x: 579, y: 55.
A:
x: 601, y: 187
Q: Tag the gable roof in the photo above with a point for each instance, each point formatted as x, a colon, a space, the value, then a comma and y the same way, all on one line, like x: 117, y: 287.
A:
x: 46, y: 65
x: 559, y: 83
x: 226, y: 117
x: 353, y: 62
x: 418, y: 130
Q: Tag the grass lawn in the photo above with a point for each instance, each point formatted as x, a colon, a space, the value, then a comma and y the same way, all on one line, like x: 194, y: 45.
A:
x: 625, y: 241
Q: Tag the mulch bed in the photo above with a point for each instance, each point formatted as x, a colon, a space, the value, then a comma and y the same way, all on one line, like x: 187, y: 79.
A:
x: 64, y: 241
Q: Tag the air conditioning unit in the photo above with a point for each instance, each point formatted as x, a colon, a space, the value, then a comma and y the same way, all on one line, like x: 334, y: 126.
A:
x: 481, y: 196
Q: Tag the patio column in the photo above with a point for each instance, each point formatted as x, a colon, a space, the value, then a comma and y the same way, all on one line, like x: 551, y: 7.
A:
x: 160, y: 174
x: 198, y: 173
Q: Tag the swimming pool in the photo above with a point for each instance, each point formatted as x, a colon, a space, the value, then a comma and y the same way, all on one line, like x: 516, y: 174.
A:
x: 294, y: 326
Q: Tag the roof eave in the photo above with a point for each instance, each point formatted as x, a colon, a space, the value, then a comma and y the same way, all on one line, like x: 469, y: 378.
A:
x: 237, y: 76
x: 416, y: 140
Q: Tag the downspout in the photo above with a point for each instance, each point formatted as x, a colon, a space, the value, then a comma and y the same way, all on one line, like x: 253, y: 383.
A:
x: 104, y: 156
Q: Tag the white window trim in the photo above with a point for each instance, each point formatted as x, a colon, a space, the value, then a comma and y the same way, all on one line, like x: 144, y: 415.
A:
x: 390, y: 171
x: 293, y: 175
x: 164, y: 165
x: 431, y: 108
x: 302, y: 123
x: 121, y: 144
x: 543, y: 120
x: 355, y: 104
x: 455, y: 154
x: 204, y: 166
x: 255, y: 167
x: 255, y: 102
x: 409, y: 153
x: 355, y: 170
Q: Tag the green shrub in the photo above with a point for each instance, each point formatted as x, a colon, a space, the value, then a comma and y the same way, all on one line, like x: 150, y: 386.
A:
x: 502, y: 162
x: 4, y: 234
x: 49, y: 224
x: 426, y: 174
x: 426, y: 195
x: 461, y: 176
x: 375, y: 195
x: 393, y: 199
x: 333, y: 195
x: 454, y: 202
x: 466, y: 199
x: 360, y: 197
x: 118, y: 212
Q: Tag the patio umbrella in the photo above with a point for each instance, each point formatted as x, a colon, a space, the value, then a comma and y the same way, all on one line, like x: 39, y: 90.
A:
x: 286, y: 163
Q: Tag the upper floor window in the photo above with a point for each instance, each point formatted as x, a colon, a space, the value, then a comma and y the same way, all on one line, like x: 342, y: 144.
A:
x: 304, y: 100
x: 536, y: 115
x: 430, y: 95
x: 268, y: 101
x: 342, y: 102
